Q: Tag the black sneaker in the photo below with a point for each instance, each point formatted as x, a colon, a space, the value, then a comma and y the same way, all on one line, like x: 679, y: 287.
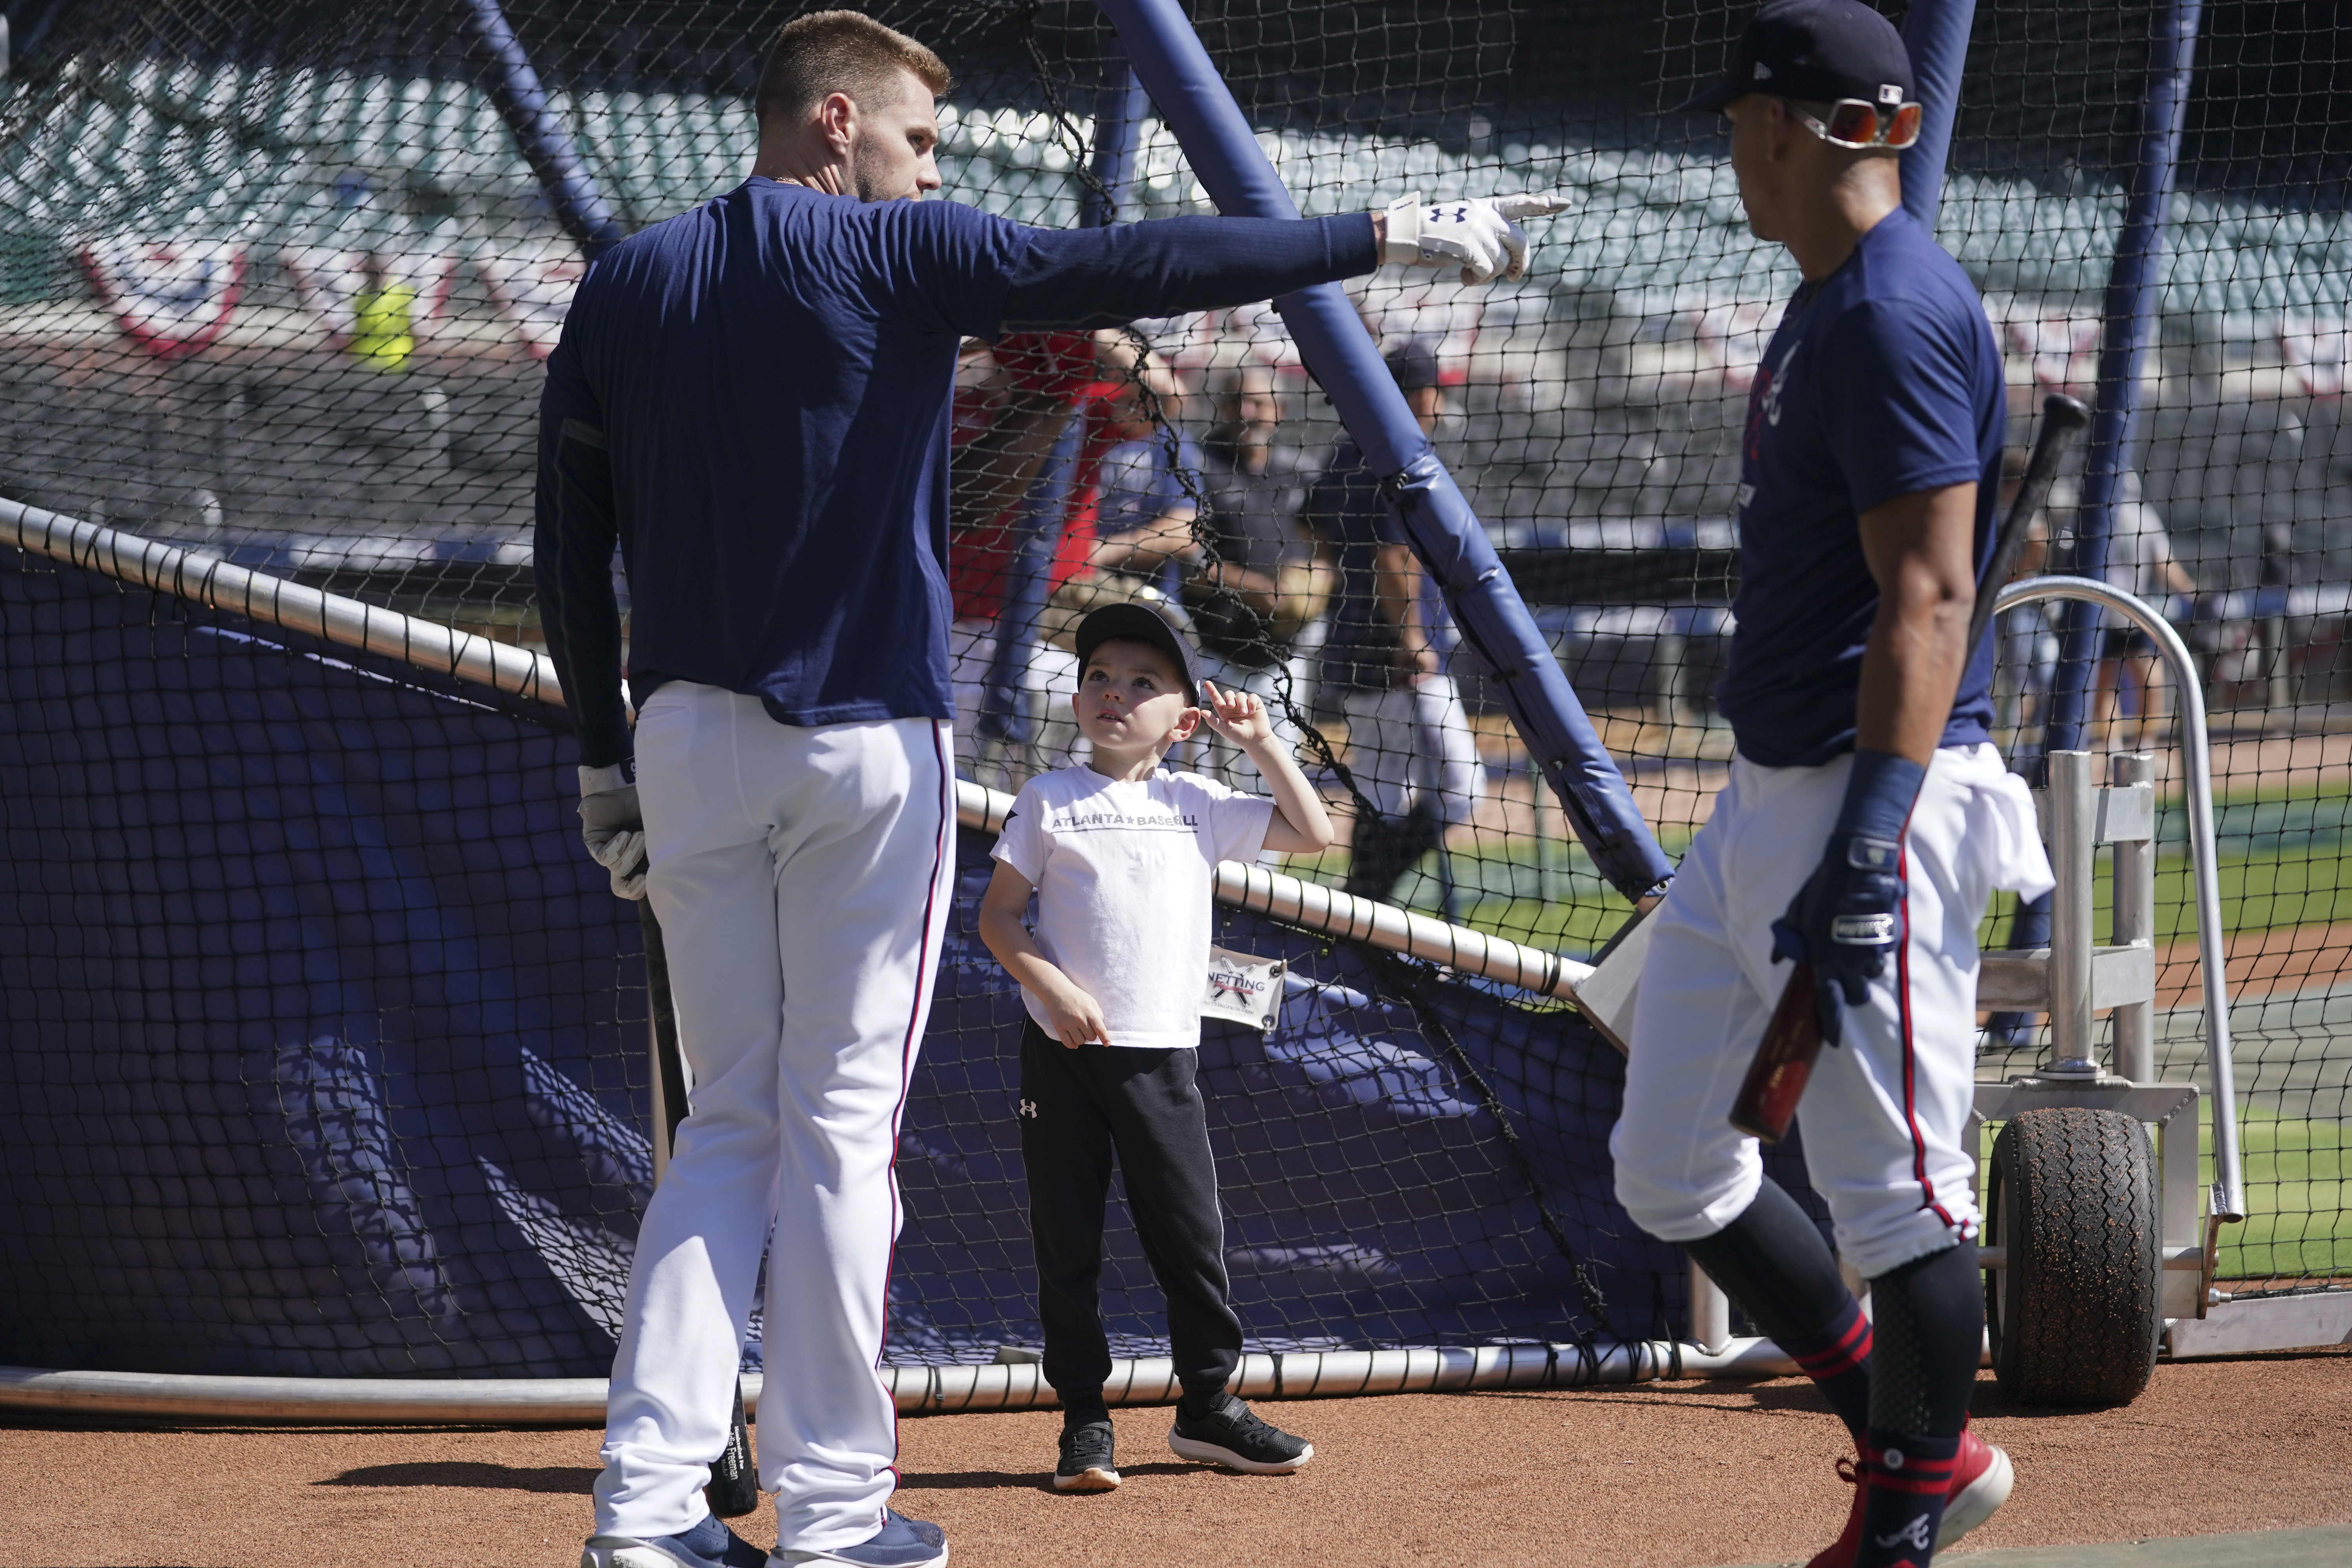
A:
x: 1232, y: 1436
x: 1085, y: 1464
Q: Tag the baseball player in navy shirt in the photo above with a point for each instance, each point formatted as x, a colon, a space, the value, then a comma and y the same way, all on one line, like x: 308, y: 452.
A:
x: 1867, y: 819
x: 753, y: 400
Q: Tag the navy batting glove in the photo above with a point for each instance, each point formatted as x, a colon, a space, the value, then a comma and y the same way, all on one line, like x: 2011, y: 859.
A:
x: 1845, y: 921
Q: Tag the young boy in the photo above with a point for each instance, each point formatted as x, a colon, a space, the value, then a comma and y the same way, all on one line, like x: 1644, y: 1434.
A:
x: 1120, y: 853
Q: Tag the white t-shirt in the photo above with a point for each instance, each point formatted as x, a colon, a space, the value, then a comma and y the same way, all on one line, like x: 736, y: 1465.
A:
x: 2139, y: 552
x: 1123, y: 873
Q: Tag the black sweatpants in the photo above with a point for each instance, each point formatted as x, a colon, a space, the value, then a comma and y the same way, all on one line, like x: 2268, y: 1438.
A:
x: 1076, y: 1108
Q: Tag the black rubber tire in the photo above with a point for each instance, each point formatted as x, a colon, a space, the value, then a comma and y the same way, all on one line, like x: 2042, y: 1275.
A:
x: 2077, y: 1314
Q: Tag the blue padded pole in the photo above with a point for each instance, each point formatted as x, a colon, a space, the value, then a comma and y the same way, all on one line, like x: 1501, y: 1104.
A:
x: 1444, y: 533
x: 1936, y: 35
x: 1119, y: 108
x: 514, y: 87
x: 2134, y: 286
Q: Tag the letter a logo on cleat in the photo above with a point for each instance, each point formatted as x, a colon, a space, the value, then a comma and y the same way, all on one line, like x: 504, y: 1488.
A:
x: 1915, y: 1532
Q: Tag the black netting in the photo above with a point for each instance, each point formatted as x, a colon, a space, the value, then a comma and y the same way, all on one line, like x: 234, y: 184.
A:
x: 274, y: 283
x: 326, y: 1056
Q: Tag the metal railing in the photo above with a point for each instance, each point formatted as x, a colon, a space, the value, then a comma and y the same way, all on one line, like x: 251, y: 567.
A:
x: 2072, y: 982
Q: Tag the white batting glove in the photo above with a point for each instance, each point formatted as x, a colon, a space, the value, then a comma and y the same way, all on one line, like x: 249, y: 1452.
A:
x: 1479, y: 235
x: 612, y: 828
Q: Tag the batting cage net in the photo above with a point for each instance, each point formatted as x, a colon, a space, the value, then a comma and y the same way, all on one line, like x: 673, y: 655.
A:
x: 326, y: 1044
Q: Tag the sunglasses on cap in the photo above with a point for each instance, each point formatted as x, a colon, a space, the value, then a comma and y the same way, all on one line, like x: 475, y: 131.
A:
x: 1855, y: 123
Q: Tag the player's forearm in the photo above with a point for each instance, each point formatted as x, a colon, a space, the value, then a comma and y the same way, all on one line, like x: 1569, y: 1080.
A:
x: 1399, y: 588
x: 572, y: 565
x: 1108, y: 277
x: 1008, y: 938
x: 1166, y: 539
x: 1296, y: 807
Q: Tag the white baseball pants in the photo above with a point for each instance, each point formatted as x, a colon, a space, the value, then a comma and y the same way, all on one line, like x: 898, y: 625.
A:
x: 803, y: 878
x: 1886, y: 1114
x: 1415, y: 742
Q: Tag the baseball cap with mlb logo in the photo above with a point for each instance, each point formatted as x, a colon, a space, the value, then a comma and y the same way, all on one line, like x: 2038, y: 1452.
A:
x: 1817, y: 51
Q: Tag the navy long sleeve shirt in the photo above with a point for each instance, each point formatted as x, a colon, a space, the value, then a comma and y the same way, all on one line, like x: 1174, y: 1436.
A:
x: 752, y: 398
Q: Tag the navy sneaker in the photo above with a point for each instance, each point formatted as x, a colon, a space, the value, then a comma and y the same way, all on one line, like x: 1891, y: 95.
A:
x: 710, y: 1544
x: 1229, y: 1434
x: 1086, y: 1465
x: 901, y: 1543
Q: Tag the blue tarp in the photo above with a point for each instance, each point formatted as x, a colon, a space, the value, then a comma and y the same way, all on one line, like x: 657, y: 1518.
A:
x: 325, y: 1055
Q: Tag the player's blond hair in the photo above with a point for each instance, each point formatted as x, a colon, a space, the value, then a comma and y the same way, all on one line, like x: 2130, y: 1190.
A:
x: 827, y: 52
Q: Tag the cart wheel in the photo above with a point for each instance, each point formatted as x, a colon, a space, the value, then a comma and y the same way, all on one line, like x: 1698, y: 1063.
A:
x: 2074, y: 1315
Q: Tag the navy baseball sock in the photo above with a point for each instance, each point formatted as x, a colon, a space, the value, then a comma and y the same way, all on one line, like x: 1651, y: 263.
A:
x: 1773, y: 1262
x: 1930, y: 1315
x: 1907, y: 1477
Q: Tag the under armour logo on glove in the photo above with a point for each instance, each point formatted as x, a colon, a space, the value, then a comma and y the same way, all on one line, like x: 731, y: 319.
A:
x: 1480, y: 235
x: 1847, y: 919
x: 1029, y: 1109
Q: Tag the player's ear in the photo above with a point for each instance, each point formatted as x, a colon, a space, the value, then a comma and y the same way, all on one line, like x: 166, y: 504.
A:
x: 1186, y: 722
x: 836, y: 117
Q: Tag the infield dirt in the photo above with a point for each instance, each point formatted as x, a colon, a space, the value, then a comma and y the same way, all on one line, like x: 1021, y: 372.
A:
x: 1659, y: 1476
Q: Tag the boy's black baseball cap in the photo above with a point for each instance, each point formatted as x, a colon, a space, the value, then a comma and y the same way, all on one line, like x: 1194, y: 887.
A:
x: 1817, y: 51
x: 1140, y: 623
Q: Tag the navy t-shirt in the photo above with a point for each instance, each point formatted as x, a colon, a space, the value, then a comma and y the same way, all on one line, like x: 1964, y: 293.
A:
x: 1882, y: 380
x: 752, y: 398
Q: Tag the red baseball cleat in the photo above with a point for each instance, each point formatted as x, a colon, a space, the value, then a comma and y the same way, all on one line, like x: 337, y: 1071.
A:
x: 1982, y: 1478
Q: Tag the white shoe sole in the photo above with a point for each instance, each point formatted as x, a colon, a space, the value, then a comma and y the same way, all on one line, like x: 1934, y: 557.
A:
x: 1977, y: 1500
x: 793, y: 1559
x: 621, y: 1551
x: 1211, y: 1454
x: 1093, y: 1479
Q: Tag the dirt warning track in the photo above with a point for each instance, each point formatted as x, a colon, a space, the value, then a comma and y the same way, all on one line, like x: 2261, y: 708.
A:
x: 1660, y: 1475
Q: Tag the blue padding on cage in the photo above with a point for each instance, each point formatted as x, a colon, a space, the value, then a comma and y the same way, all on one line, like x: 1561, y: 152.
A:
x: 1936, y: 35
x: 325, y: 1055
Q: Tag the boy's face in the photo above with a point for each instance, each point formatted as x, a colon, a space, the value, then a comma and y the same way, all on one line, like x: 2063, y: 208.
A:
x: 1131, y: 698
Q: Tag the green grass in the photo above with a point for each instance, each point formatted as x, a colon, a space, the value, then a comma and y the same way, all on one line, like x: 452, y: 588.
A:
x: 2298, y: 1199
x: 2285, y: 859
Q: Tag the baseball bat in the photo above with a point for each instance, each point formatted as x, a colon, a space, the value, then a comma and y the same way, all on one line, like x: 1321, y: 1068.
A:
x: 1784, y: 1060
x: 2061, y: 417
x: 734, y: 1488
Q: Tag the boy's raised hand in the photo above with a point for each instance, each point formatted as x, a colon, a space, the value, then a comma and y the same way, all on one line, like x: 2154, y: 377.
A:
x: 1238, y: 716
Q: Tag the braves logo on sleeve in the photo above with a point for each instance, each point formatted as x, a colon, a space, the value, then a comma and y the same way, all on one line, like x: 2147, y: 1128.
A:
x: 1764, y: 400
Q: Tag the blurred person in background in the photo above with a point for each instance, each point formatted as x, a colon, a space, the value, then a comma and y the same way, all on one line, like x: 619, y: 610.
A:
x: 1409, y: 743
x: 1014, y: 399
x: 1145, y: 524
x: 383, y: 319
x: 2140, y: 562
x: 1260, y: 585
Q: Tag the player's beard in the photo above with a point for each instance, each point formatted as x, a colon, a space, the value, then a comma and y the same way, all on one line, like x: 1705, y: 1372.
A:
x: 875, y: 174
